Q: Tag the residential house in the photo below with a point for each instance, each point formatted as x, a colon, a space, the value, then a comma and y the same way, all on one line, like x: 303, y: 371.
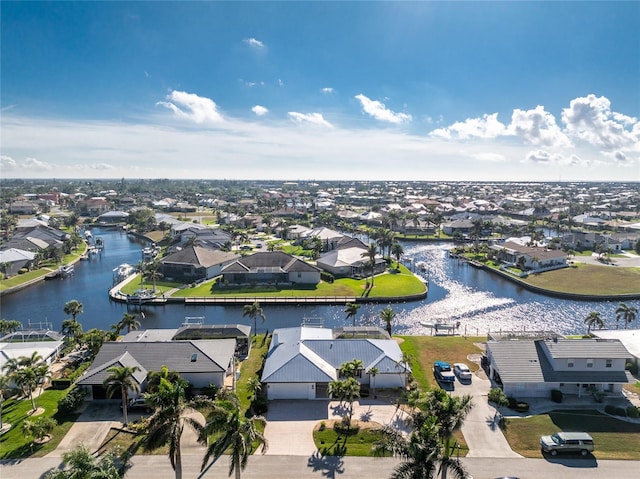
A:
x: 200, y: 362
x: 12, y: 260
x: 302, y: 361
x: 270, y: 268
x: 462, y: 226
x: 534, y: 367
x: 24, y: 208
x: 195, y: 263
x: 531, y: 257
x: 352, y: 262
x: 113, y: 217
x: 94, y: 206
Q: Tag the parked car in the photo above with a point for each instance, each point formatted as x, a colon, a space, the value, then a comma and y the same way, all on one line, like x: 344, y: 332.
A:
x: 443, y: 373
x: 567, y: 442
x: 462, y: 371
x: 138, y: 404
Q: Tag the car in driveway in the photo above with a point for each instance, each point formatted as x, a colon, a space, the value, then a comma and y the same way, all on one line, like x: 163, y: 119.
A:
x: 443, y: 373
x: 567, y: 442
x: 462, y: 372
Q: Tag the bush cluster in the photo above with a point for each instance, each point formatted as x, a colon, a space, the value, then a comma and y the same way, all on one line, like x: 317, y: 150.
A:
x: 71, y: 401
x: 497, y: 396
x: 556, y: 395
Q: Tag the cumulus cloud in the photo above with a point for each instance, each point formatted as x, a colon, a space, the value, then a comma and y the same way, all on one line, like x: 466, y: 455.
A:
x: 192, y: 107
x: 260, y: 110
x: 33, y: 164
x: 486, y: 127
x: 101, y: 166
x: 327, y: 90
x: 7, y: 163
x: 314, y: 118
x: 252, y: 42
x: 379, y: 111
x: 542, y: 156
x: 590, y: 119
x: 538, y: 127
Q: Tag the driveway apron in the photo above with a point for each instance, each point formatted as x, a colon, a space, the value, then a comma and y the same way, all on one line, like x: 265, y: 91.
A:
x: 480, y: 428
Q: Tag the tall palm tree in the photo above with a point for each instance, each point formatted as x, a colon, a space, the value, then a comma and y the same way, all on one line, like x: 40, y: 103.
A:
x: 626, y: 313
x: 253, y: 311
x: 351, y: 309
x: 73, y: 307
x: 168, y: 421
x: 397, y: 251
x: 235, y: 433
x: 71, y: 328
x: 129, y: 321
x: 371, y: 253
x: 593, y: 319
x: 122, y: 379
x: 387, y: 315
x: 373, y: 372
x: 8, y: 326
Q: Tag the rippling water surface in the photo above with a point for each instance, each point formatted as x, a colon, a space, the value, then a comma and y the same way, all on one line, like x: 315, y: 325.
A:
x: 479, y: 300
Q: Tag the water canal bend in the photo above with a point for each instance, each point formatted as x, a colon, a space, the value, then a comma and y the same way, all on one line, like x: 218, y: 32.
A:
x: 478, y: 300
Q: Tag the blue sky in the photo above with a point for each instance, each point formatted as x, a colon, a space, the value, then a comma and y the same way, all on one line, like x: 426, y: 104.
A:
x: 538, y: 91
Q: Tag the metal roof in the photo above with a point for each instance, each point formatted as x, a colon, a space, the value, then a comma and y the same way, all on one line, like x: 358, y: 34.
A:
x: 586, y: 348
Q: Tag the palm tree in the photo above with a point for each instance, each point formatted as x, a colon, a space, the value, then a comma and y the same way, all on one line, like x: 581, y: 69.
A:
x: 152, y: 271
x: 71, y: 328
x: 627, y: 313
x: 397, y: 251
x: 81, y: 464
x: 351, y: 309
x: 593, y: 319
x: 8, y: 326
x: 122, y: 379
x: 4, y: 384
x: 235, y: 433
x: 387, y: 315
x: 253, y: 311
x: 129, y: 321
x: 73, y: 307
x: 371, y: 253
x: 39, y: 428
x: 373, y: 372
x: 168, y: 421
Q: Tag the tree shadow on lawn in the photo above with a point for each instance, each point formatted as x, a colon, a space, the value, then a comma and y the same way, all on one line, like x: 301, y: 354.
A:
x: 591, y: 421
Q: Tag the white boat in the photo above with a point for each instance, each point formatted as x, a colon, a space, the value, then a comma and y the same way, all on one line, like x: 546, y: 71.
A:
x: 87, y: 234
x: 141, y: 296
x: 421, y: 265
x: 122, y: 272
x: 66, y: 270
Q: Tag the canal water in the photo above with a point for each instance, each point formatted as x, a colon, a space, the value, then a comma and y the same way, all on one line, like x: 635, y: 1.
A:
x: 478, y: 300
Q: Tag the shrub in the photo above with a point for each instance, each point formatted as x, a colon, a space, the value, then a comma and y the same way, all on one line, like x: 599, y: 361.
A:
x: 633, y: 412
x: 556, y: 395
x: 620, y: 411
x: 522, y: 406
x: 632, y: 368
x: 323, y: 425
x: 327, y: 277
x: 60, y: 384
x: 71, y: 401
x: 610, y: 409
x: 260, y: 405
x: 511, y: 402
x: 497, y: 396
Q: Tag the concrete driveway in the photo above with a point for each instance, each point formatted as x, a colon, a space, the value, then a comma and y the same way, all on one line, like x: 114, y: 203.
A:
x: 480, y: 428
x: 290, y: 423
x: 290, y: 426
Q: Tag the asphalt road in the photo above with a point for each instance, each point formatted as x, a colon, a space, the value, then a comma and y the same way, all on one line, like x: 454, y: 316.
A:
x: 293, y: 467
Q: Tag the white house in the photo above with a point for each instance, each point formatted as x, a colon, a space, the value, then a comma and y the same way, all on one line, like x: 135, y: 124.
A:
x: 532, y: 368
x: 303, y: 361
x: 531, y: 257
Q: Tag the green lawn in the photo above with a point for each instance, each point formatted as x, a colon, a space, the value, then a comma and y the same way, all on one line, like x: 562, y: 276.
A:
x: 14, y: 444
x: 613, y: 438
x: 385, y: 285
x: 251, y: 367
x: 589, y: 279
x: 161, y: 286
x: 331, y: 443
x: 425, y: 350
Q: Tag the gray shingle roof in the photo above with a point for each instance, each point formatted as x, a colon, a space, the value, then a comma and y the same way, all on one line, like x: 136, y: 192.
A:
x: 211, y: 356
x: 587, y: 348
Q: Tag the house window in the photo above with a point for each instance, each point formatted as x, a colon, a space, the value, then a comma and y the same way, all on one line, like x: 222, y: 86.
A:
x: 299, y: 275
x: 589, y: 363
x: 609, y: 363
x: 569, y: 363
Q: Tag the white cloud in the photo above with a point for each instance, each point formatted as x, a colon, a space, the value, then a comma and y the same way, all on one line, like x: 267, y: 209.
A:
x: 314, y: 118
x: 590, y: 119
x: 7, y: 163
x: 252, y: 42
x: 486, y: 127
x: 280, y: 82
x: 327, y: 90
x: 260, y: 110
x: 101, y: 166
x: 192, y: 107
x: 33, y: 164
x: 251, y: 84
x: 538, y: 127
x: 380, y: 112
